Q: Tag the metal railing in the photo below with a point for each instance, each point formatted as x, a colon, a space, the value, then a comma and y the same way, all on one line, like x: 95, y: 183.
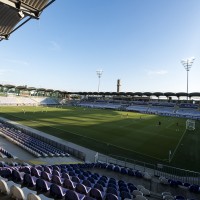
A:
x: 185, y: 176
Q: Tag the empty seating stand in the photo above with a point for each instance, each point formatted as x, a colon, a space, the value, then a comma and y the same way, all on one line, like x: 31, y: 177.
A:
x: 75, y: 181
x: 5, y: 154
x: 29, y: 143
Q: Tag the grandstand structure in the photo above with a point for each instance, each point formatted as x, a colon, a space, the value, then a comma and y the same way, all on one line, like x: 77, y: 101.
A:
x: 61, y: 170
x: 128, y: 96
x: 194, y: 97
x: 106, y: 178
x: 15, y: 13
x: 168, y: 103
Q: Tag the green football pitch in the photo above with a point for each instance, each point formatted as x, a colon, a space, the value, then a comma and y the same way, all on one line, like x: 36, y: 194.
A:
x: 126, y: 134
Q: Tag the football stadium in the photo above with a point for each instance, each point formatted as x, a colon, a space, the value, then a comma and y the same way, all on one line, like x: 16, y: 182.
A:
x: 85, y: 145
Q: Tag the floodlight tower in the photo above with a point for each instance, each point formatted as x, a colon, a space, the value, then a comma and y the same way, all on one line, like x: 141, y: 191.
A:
x: 187, y: 63
x: 99, y: 74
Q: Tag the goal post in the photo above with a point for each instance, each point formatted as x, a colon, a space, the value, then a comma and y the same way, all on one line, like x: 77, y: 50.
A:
x: 190, y: 124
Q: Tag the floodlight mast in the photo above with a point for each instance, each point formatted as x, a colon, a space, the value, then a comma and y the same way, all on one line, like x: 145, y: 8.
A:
x: 187, y: 65
x: 99, y: 74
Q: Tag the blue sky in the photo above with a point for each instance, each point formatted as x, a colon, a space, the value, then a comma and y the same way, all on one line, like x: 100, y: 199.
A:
x: 140, y: 42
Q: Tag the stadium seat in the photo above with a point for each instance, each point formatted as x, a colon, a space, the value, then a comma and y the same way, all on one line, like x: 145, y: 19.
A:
x: 95, y: 193
x: 46, y: 176
x: 140, y: 197
x: 57, y: 180
x: 57, y: 191
x: 145, y: 191
x: 29, y: 181
x: 17, y: 176
x: 168, y: 197
x: 125, y: 195
x: 42, y: 185
x: 68, y: 184
x: 194, y: 188
x: 20, y: 193
x: 4, y: 187
x: 110, y: 196
x: 147, y: 176
x: 32, y: 196
x: 87, y: 183
x: 179, y: 197
x: 137, y: 192
x: 111, y: 190
x: 163, y: 180
x: 71, y: 195
x: 99, y: 187
x: 82, y: 189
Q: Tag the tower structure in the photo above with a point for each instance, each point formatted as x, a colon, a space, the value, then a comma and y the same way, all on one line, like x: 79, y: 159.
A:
x: 118, y: 85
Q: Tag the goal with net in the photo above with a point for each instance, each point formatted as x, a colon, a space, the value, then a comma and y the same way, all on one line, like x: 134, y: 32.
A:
x: 190, y: 124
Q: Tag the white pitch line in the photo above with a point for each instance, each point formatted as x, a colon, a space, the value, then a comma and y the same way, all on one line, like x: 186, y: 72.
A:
x: 178, y: 145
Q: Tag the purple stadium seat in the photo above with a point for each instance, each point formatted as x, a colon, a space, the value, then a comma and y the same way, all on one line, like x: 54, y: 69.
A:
x: 42, y: 185
x: 46, y: 176
x: 100, y: 182
x: 91, y: 180
x: 71, y: 195
x: 99, y: 187
x: 86, y: 174
x: 47, y: 169
x: 111, y: 185
x: 125, y: 195
x: 29, y: 180
x: 35, y: 172
x: 112, y: 191
x: 131, y: 172
x: 82, y: 189
x: 124, y: 171
x: 17, y: 176
x: 40, y: 168
x: 117, y: 169
x: 56, y: 172
x: 87, y: 183
x: 138, y: 174
x: 81, y: 177
x: 103, y: 179
x: 95, y: 193
x: 110, y: 196
x: 57, y: 191
x: 194, y: 188
x: 65, y: 175
x: 75, y: 179
x: 57, y: 180
x: 6, y: 173
x: 88, y: 198
x: 124, y: 189
x: 112, y: 181
x: 95, y: 177
x: 132, y: 187
x: 25, y: 169
x: 110, y: 167
x: 68, y: 184
x: 179, y: 197
x: 71, y: 173
x: 56, y: 168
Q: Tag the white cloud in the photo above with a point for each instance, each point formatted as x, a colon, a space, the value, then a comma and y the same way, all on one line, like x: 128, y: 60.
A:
x: 157, y: 72
x: 19, y: 62
x: 5, y: 71
x: 54, y: 46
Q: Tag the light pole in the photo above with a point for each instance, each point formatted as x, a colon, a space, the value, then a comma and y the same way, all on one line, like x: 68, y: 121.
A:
x: 187, y: 65
x: 99, y: 74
